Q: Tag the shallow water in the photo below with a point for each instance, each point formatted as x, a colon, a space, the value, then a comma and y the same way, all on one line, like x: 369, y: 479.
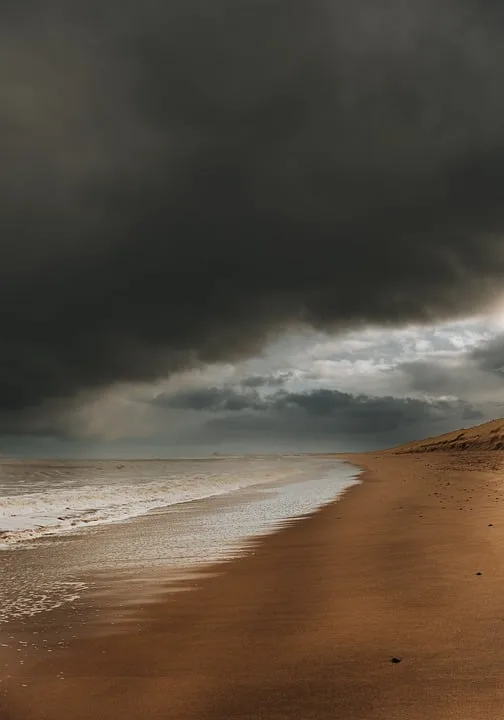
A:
x: 38, y: 499
x: 213, y: 507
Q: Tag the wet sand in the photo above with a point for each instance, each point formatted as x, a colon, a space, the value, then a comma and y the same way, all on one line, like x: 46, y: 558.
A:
x: 307, y: 624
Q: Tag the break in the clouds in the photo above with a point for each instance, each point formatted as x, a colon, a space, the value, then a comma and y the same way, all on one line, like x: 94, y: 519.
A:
x: 180, y: 180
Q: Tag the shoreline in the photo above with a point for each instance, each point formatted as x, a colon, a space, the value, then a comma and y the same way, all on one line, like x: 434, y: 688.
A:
x: 306, y: 624
x: 72, y: 515
x: 175, y: 539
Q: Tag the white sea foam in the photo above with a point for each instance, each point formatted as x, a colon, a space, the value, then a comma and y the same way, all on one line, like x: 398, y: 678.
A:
x: 39, y: 500
x: 44, y: 500
x: 29, y: 601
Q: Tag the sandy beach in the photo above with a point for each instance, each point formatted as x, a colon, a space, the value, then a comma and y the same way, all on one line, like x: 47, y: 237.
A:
x: 251, y: 295
x: 409, y: 565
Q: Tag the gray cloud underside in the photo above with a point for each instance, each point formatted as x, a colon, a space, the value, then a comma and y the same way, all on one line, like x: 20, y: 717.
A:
x: 319, y: 413
x: 181, y: 180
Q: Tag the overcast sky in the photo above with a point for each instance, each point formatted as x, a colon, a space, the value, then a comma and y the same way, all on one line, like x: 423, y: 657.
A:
x: 249, y: 225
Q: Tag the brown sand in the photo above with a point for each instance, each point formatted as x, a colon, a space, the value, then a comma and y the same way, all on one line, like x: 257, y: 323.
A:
x: 306, y: 627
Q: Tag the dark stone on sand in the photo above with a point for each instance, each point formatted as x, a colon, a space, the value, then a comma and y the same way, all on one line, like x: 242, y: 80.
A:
x: 395, y: 660
x: 490, y: 524
x: 479, y: 573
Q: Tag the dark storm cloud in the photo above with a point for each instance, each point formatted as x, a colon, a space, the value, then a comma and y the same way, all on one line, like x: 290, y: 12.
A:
x: 179, y: 180
x: 365, y: 414
x: 243, y: 396
x: 328, y: 416
x: 266, y: 381
x: 329, y: 411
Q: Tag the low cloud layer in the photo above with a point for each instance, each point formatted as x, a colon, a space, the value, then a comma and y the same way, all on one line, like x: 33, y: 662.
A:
x: 181, y: 181
x: 320, y: 414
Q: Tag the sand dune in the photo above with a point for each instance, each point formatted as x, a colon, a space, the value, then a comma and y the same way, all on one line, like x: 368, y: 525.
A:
x: 488, y: 436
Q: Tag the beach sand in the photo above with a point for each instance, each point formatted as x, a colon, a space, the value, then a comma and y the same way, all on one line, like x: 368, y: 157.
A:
x: 306, y: 625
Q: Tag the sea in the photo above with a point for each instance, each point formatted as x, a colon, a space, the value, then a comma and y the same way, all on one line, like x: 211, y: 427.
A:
x: 64, y: 525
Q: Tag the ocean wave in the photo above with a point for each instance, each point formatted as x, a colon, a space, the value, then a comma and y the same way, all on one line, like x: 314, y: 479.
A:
x: 64, y: 503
